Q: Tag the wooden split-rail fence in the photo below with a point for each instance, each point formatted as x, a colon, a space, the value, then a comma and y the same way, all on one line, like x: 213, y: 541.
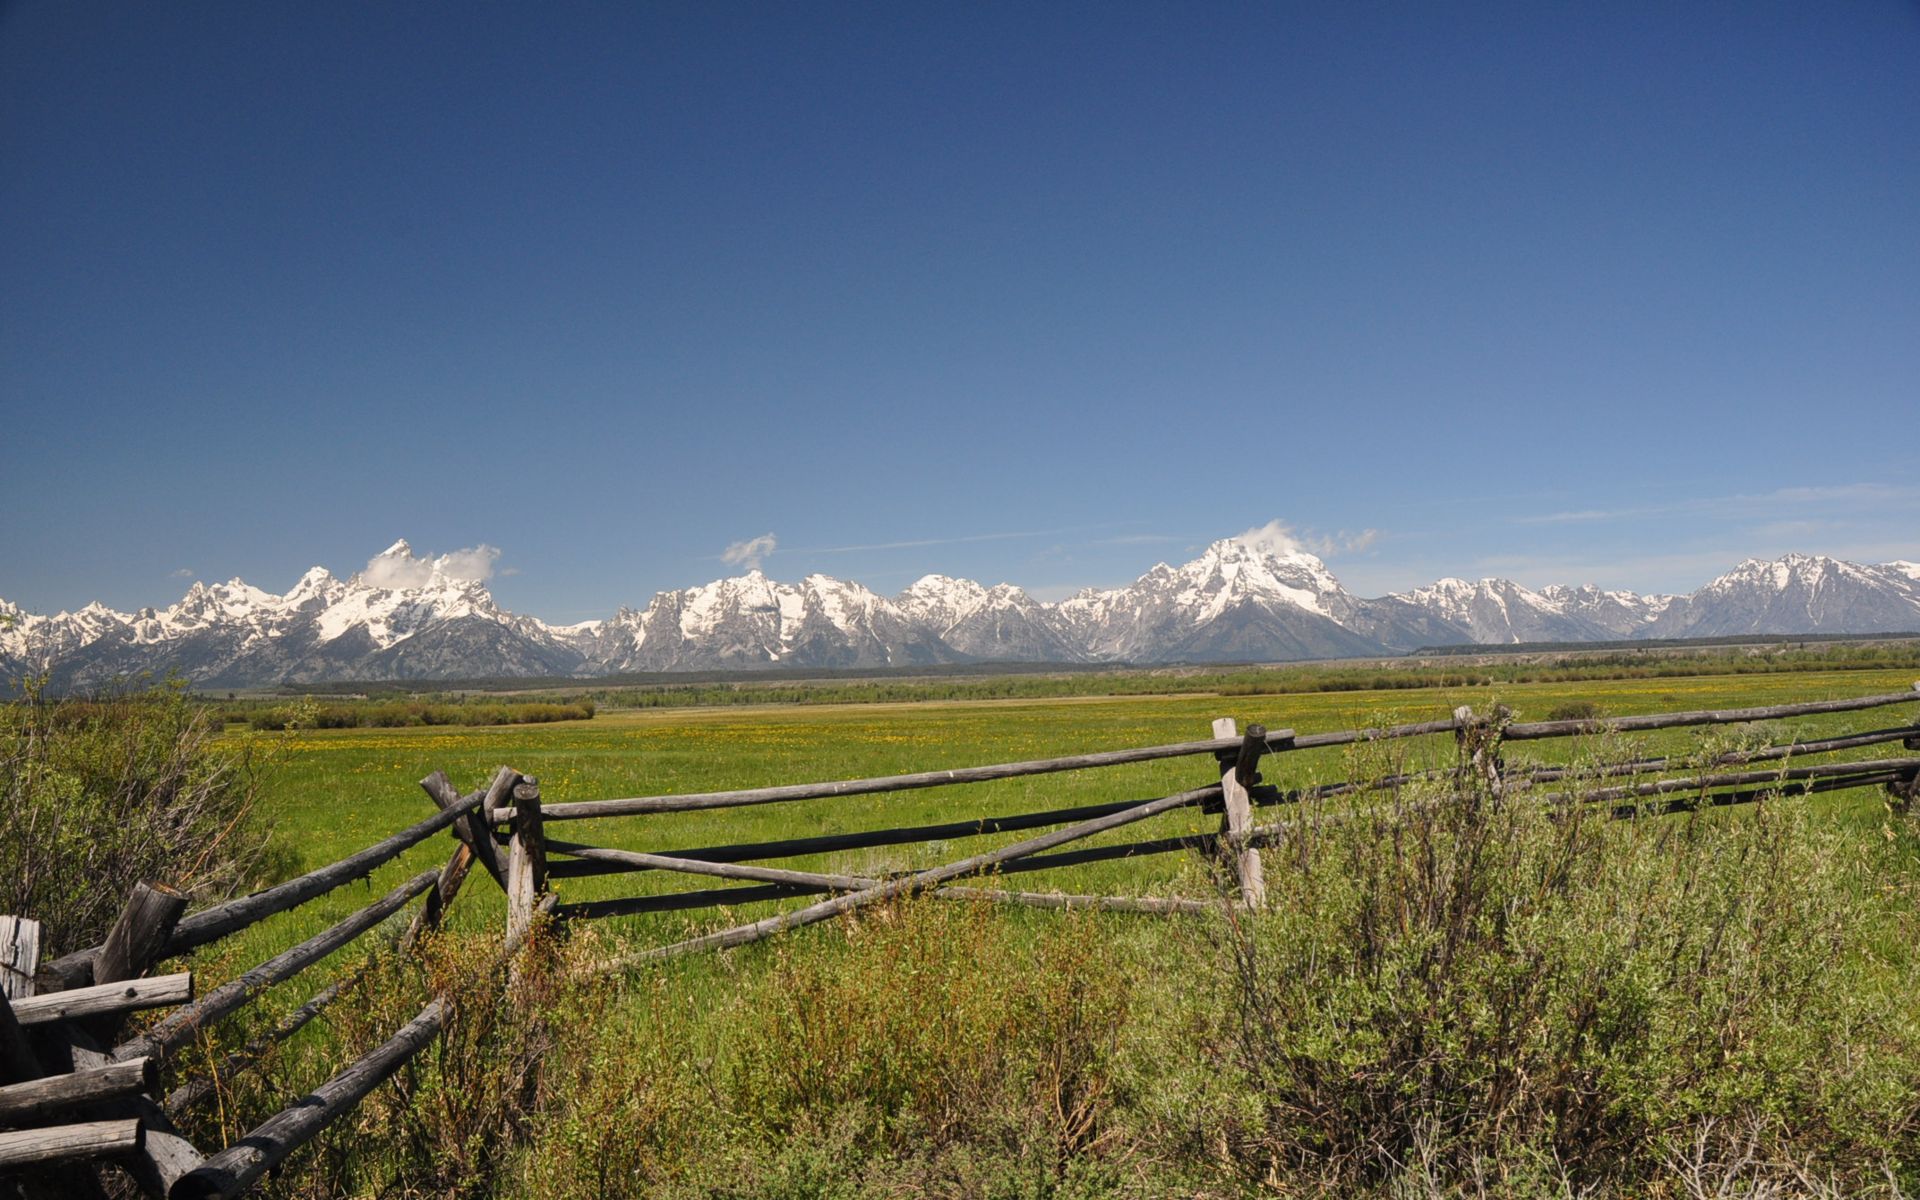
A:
x: 78, y: 1086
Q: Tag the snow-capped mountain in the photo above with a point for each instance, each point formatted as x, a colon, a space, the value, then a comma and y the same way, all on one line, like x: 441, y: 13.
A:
x: 1251, y: 598
x: 1799, y: 593
x: 1239, y: 600
x: 753, y: 621
x: 1493, y: 611
x: 1000, y: 622
x: 405, y: 617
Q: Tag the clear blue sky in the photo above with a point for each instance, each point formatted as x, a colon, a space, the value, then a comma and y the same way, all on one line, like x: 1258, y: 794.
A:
x: 1616, y: 293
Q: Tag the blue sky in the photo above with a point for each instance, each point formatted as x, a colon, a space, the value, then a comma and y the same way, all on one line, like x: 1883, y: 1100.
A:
x: 1044, y: 293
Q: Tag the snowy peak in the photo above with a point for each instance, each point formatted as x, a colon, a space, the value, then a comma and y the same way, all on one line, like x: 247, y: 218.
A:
x: 943, y: 603
x: 940, y: 600
x: 1235, y: 570
x: 321, y: 628
x: 1798, y: 593
x: 1259, y: 596
x: 1495, y: 611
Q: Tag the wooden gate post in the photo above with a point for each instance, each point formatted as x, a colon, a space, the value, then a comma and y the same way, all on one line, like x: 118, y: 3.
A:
x: 526, y: 858
x: 1237, y: 819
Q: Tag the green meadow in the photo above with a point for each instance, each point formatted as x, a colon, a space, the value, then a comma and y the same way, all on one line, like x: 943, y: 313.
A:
x: 908, y: 1051
x: 329, y: 792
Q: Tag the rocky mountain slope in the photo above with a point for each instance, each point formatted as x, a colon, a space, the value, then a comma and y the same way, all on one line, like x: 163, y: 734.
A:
x: 1244, y: 599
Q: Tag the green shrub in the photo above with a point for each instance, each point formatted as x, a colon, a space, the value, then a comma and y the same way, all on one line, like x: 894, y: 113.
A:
x: 1576, y: 710
x: 402, y: 714
x: 99, y: 794
x: 1479, y: 987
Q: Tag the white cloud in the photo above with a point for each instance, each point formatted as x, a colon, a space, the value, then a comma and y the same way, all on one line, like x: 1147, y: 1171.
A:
x: 1332, y: 545
x: 181, y: 573
x: 400, y: 568
x: 1277, y: 537
x: 751, y: 552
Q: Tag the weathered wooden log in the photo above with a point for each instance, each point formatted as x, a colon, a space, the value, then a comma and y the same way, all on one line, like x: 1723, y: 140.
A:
x: 628, y: 906
x: 19, y: 956
x: 267, y: 1145
x: 1158, y: 905
x: 1842, y: 779
x: 1347, y: 737
x: 726, y: 897
x: 817, y: 881
x: 731, y: 897
x: 723, y: 897
x: 1532, y: 776
x: 69, y: 1143
x: 1237, y: 816
x: 200, y: 1087
x: 526, y: 856
x: 1644, y: 766
x: 233, y: 1170
x: 472, y: 828
x: 162, y: 1156
x: 865, y: 840
x: 444, y: 890
x: 1902, y: 790
x: 1179, y: 843
x: 17, y: 1060
x: 211, y: 924
x: 641, y: 861
x: 631, y: 806
x: 1529, y: 730
x: 740, y: 935
x: 33, y: 1101
x: 1730, y: 779
x: 1749, y: 795
x: 497, y: 808
x: 207, y: 925
x: 140, y: 935
x: 178, y: 1028
x: 128, y: 995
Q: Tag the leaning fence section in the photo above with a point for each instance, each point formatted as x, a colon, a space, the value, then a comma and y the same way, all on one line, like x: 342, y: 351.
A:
x: 78, y: 1086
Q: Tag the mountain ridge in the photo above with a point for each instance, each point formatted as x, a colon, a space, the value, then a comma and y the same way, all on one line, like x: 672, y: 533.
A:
x: 1249, y: 598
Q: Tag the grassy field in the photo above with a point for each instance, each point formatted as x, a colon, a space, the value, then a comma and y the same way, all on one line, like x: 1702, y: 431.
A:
x: 330, y: 792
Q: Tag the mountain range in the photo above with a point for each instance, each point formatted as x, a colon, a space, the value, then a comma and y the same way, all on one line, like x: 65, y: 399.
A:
x: 1244, y: 599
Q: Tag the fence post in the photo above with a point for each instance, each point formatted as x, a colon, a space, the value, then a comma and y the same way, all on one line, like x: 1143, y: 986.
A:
x: 526, y: 857
x: 19, y: 959
x: 1237, y: 818
x: 138, y: 938
x: 1902, y: 792
x: 19, y: 956
x: 1479, y: 742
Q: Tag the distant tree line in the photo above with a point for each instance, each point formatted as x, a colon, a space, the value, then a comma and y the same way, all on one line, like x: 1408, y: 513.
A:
x: 397, y: 714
